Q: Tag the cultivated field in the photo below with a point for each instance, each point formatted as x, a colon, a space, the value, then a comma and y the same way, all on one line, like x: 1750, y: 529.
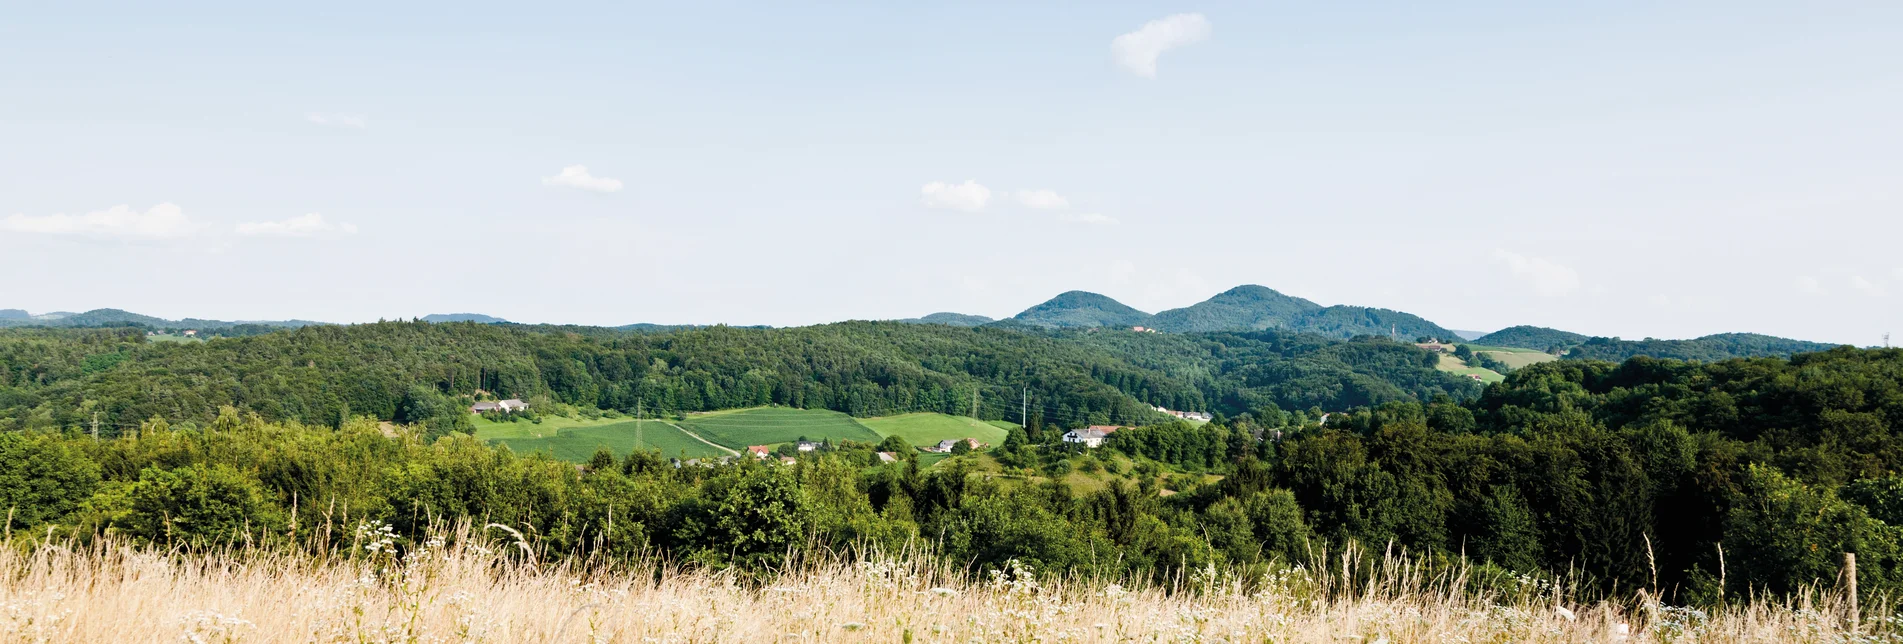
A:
x: 771, y: 425
x: 926, y: 428
x: 571, y: 440
x: 1453, y: 365
x: 1514, y: 358
x: 463, y: 591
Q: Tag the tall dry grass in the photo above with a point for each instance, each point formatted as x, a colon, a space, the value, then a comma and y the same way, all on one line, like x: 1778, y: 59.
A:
x: 472, y: 590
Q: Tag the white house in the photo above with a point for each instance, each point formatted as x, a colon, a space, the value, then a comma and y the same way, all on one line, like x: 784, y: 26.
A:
x: 1091, y: 436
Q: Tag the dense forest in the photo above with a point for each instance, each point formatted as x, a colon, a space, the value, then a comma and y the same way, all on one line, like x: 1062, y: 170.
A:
x: 1686, y: 479
x: 416, y: 372
x: 1723, y: 346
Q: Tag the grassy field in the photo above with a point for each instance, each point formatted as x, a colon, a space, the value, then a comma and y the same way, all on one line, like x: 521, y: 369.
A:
x: 474, y: 590
x: 771, y: 425
x: 1453, y: 365
x: 576, y: 440
x: 171, y: 337
x: 927, y: 428
x: 1514, y: 358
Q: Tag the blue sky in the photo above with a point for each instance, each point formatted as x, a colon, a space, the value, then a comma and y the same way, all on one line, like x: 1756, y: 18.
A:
x: 1625, y: 168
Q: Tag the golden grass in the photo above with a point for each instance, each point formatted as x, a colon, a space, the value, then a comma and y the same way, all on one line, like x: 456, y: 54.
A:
x: 489, y: 592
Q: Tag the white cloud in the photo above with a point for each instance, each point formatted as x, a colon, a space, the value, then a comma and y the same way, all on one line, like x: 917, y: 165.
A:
x: 163, y: 221
x: 1660, y: 301
x: 1548, y: 278
x: 1866, y: 286
x: 309, y: 225
x: 1137, y: 51
x: 576, y: 176
x: 1810, y: 285
x: 1042, y: 200
x: 1093, y: 218
x: 352, y: 121
x: 967, y: 196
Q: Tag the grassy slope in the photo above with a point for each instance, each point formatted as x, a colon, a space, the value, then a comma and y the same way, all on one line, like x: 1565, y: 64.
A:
x: 1451, y: 364
x: 926, y: 428
x: 770, y: 425
x: 576, y: 440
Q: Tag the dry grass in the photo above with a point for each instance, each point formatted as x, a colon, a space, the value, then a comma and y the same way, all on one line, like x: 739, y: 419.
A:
x: 495, y: 593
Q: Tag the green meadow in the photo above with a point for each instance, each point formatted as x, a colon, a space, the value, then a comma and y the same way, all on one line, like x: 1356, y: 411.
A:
x: 925, y: 428
x: 772, y: 425
x: 576, y: 440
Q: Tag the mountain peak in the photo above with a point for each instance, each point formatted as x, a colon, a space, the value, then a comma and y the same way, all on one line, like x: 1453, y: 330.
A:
x: 1244, y: 308
x: 1082, y: 309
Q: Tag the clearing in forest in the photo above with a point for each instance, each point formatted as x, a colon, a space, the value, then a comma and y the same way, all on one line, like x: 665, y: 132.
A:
x: 924, y: 429
x: 772, y: 425
x: 1456, y: 366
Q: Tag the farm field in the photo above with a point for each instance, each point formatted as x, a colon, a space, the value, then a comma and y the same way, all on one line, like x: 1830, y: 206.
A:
x: 578, y: 440
x: 1453, y: 365
x: 771, y: 425
x: 1513, y: 357
x: 928, y: 428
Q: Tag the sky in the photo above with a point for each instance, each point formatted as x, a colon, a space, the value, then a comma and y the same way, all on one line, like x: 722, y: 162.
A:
x: 1633, y: 169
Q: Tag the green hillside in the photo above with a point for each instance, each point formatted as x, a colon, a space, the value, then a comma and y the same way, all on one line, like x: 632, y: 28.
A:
x: 1082, y: 309
x: 1350, y: 321
x: 1243, y: 308
x: 926, y: 428
x: 576, y: 441
x: 770, y: 425
x: 1531, y: 337
x: 951, y: 319
x: 1711, y: 348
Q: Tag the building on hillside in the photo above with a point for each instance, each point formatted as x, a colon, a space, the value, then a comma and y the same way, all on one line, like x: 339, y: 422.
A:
x: 1091, y: 436
x: 191, y: 333
x: 888, y: 457
x: 759, y: 451
x: 806, y: 446
x: 1433, y: 346
x: 788, y: 460
x: 499, y: 405
x: 1188, y: 415
x: 945, y: 446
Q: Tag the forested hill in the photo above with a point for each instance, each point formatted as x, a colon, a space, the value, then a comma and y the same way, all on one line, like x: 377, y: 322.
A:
x: 416, y: 372
x: 1531, y: 337
x: 1081, y: 309
x: 1710, y: 348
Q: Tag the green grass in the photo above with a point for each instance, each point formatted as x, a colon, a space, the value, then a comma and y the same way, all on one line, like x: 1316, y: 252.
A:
x: 1518, y: 359
x: 1453, y: 365
x: 926, y: 428
x: 771, y: 425
x: 576, y: 440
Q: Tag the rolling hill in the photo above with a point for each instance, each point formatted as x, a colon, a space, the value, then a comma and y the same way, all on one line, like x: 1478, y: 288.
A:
x: 1243, y: 308
x: 1531, y: 337
x: 464, y: 317
x: 951, y: 319
x: 1077, y: 309
x: 1711, y: 348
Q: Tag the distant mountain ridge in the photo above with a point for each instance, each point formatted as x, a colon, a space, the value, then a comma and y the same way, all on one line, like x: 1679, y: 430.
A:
x: 948, y: 318
x: 1243, y: 308
x: 117, y: 317
x: 1711, y: 348
x: 464, y: 317
x: 1537, y: 338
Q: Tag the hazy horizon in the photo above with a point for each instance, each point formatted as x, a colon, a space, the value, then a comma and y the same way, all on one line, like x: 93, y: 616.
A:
x: 1622, y: 169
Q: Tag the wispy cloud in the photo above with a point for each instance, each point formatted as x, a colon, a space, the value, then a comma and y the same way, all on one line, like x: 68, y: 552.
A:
x: 967, y: 196
x: 1810, y: 285
x: 308, y: 225
x: 334, y: 119
x: 1547, y: 277
x: 1866, y: 287
x: 163, y: 221
x: 1137, y: 51
x: 1092, y: 218
x: 577, y: 176
x: 1042, y: 200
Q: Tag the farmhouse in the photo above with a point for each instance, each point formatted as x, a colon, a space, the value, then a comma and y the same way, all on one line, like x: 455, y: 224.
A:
x: 500, y: 405
x: 945, y: 446
x: 759, y: 451
x: 807, y: 446
x: 1091, y: 436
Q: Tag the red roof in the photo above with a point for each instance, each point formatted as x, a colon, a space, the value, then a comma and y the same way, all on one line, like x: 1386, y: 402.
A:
x: 758, y: 449
x: 1105, y: 428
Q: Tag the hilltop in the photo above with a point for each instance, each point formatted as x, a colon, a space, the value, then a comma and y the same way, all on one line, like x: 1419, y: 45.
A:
x: 1243, y: 308
x: 1710, y: 348
x: 464, y: 317
x: 950, y: 319
x: 1075, y: 309
x: 1531, y: 337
